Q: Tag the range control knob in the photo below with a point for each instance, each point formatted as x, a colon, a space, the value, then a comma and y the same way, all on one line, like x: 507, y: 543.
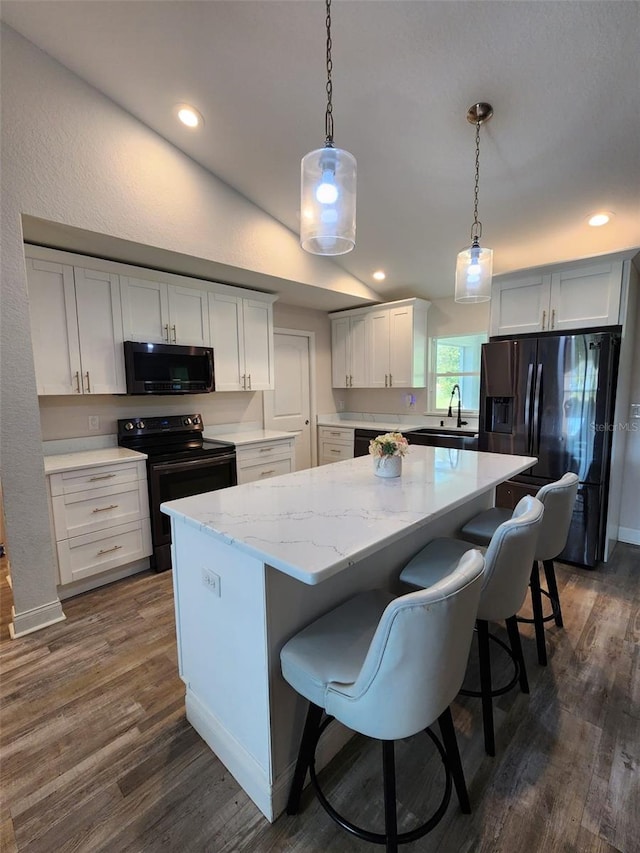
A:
x: 196, y: 419
x: 187, y: 421
x: 140, y: 424
x: 128, y: 425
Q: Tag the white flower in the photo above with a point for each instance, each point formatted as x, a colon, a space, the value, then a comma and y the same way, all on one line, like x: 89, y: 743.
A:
x: 389, y: 444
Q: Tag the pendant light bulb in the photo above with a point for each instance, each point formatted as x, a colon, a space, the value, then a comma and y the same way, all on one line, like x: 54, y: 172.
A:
x: 328, y: 186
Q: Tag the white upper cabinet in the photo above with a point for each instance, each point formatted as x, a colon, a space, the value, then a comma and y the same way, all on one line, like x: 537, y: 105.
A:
x: 576, y: 296
x: 158, y: 312
x: 242, y: 340
x: 349, y: 352
x: 380, y: 347
x: 76, y: 329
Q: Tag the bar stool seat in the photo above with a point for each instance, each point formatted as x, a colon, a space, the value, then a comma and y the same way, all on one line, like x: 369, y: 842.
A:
x: 363, y: 664
x: 558, y: 499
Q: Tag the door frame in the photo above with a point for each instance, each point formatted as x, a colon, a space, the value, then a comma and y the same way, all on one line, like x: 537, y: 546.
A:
x: 311, y: 338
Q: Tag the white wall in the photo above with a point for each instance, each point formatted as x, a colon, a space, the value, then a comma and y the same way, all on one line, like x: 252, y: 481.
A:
x: 70, y: 155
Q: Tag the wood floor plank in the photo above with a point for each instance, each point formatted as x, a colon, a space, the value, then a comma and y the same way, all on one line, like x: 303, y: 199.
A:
x: 97, y: 756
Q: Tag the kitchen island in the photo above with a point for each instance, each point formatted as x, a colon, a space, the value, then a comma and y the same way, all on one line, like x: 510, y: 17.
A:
x: 255, y: 563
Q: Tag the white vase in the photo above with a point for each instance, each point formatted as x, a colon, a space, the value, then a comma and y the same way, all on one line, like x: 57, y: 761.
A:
x: 387, y: 466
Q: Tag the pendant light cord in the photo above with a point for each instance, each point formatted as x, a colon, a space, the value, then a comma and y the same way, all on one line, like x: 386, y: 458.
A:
x: 328, y: 116
x: 476, y: 228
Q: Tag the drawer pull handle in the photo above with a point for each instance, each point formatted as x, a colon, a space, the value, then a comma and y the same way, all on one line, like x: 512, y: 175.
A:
x: 109, y: 550
x: 334, y: 433
x: 553, y: 319
x: 544, y: 319
x: 335, y: 451
x: 105, y: 508
x: 88, y: 383
x: 266, y: 473
x: 266, y: 449
x: 173, y: 329
x: 101, y: 477
x: 166, y: 332
x: 78, y: 391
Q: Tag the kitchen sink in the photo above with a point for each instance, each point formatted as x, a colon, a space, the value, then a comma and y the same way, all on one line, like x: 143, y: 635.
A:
x: 438, y: 438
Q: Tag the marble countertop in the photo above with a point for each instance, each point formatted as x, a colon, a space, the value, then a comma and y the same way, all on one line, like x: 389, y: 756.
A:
x: 89, y: 459
x: 243, y: 437
x: 399, y: 423
x: 312, y: 524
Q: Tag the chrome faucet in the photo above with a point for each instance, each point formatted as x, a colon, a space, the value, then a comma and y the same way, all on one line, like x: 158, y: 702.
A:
x: 460, y: 422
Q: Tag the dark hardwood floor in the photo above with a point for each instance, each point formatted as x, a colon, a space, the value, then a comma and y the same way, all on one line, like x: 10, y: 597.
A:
x: 96, y: 754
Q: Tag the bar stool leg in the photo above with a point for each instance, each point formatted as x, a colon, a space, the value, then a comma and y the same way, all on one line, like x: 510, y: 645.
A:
x: 485, y: 685
x: 552, y: 586
x: 390, y: 813
x: 305, y: 756
x: 516, y: 648
x: 538, y: 618
x: 448, y: 732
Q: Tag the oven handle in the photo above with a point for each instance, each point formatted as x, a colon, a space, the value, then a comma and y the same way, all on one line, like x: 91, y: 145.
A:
x: 200, y: 462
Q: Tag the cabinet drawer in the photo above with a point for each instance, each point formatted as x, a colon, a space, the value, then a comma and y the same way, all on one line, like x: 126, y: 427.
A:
x: 331, y: 451
x: 82, y: 512
x: 265, y: 470
x: 96, y: 477
x: 96, y: 552
x: 335, y: 434
x: 260, y: 452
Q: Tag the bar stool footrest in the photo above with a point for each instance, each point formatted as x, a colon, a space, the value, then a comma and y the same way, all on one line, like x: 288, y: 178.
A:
x: 378, y: 837
x: 555, y: 610
x: 497, y: 691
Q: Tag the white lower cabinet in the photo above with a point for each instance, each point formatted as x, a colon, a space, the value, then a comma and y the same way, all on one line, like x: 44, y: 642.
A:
x: 100, y: 518
x: 264, y: 460
x: 334, y: 444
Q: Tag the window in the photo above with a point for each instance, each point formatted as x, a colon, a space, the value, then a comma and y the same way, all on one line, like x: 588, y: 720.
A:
x: 455, y: 361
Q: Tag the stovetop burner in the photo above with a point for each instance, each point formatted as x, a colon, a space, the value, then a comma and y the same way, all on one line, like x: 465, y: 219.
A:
x: 172, y: 437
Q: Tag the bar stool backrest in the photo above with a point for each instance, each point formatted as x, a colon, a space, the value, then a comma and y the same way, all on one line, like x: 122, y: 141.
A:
x: 416, y: 660
x: 508, y: 561
x: 558, y: 499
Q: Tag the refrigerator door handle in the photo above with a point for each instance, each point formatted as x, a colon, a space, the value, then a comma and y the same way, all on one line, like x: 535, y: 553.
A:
x: 535, y: 444
x: 527, y: 407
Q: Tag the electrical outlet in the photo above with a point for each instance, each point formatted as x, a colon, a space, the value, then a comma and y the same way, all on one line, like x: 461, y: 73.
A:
x: 94, y: 423
x: 635, y: 410
x: 211, y: 580
x: 340, y: 405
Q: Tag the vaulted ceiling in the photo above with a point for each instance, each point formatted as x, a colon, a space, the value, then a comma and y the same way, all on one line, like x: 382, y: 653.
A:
x: 563, y: 78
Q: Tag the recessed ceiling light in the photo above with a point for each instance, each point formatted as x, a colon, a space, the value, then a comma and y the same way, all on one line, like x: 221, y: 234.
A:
x: 189, y: 115
x: 379, y: 275
x: 600, y: 218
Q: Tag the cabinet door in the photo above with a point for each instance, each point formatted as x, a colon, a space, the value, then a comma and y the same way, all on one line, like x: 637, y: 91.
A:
x: 358, y: 371
x: 340, y: 364
x: 378, y: 323
x: 227, y: 339
x: 521, y: 305
x: 401, y: 347
x: 54, y: 327
x: 258, y: 344
x: 100, y: 332
x: 586, y: 297
x: 145, y: 310
x: 188, y: 316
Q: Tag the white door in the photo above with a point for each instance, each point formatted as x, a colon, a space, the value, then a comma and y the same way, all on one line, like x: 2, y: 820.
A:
x: 100, y: 332
x: 227, y: 340
x: 188, y: 316
x: 378, y: 323
x: 257, y: 319
x: 288, y: 406
x: 145, y: 310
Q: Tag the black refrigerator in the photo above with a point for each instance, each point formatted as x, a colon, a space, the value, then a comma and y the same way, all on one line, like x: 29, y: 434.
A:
x: 553, y: 397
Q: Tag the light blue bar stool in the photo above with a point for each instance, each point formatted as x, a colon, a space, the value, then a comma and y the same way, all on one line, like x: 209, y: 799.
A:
x: 364, y: 664
x: 504, y: 587
x: 558, y: 500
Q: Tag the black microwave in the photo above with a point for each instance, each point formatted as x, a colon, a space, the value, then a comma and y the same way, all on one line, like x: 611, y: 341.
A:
x: 168, y: 368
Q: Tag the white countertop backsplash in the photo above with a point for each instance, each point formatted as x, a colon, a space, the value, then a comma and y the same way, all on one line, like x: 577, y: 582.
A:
x: 399, y: 422
x: 76, y: 445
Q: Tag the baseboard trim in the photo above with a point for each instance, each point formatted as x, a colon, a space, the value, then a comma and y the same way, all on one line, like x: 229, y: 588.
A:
x: 270, y: 798
x: 35, y: 619
x: 629, y: 535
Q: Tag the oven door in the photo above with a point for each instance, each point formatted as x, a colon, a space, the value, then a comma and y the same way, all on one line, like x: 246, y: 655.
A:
x: 169, y: 481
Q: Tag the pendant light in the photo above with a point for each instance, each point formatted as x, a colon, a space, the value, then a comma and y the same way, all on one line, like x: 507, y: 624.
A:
x: 328, y: 186
x: 475, y: 264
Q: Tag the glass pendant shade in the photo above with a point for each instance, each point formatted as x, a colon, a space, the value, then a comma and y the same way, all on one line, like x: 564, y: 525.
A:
x: 474, y: 269
x: 328, y: 202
